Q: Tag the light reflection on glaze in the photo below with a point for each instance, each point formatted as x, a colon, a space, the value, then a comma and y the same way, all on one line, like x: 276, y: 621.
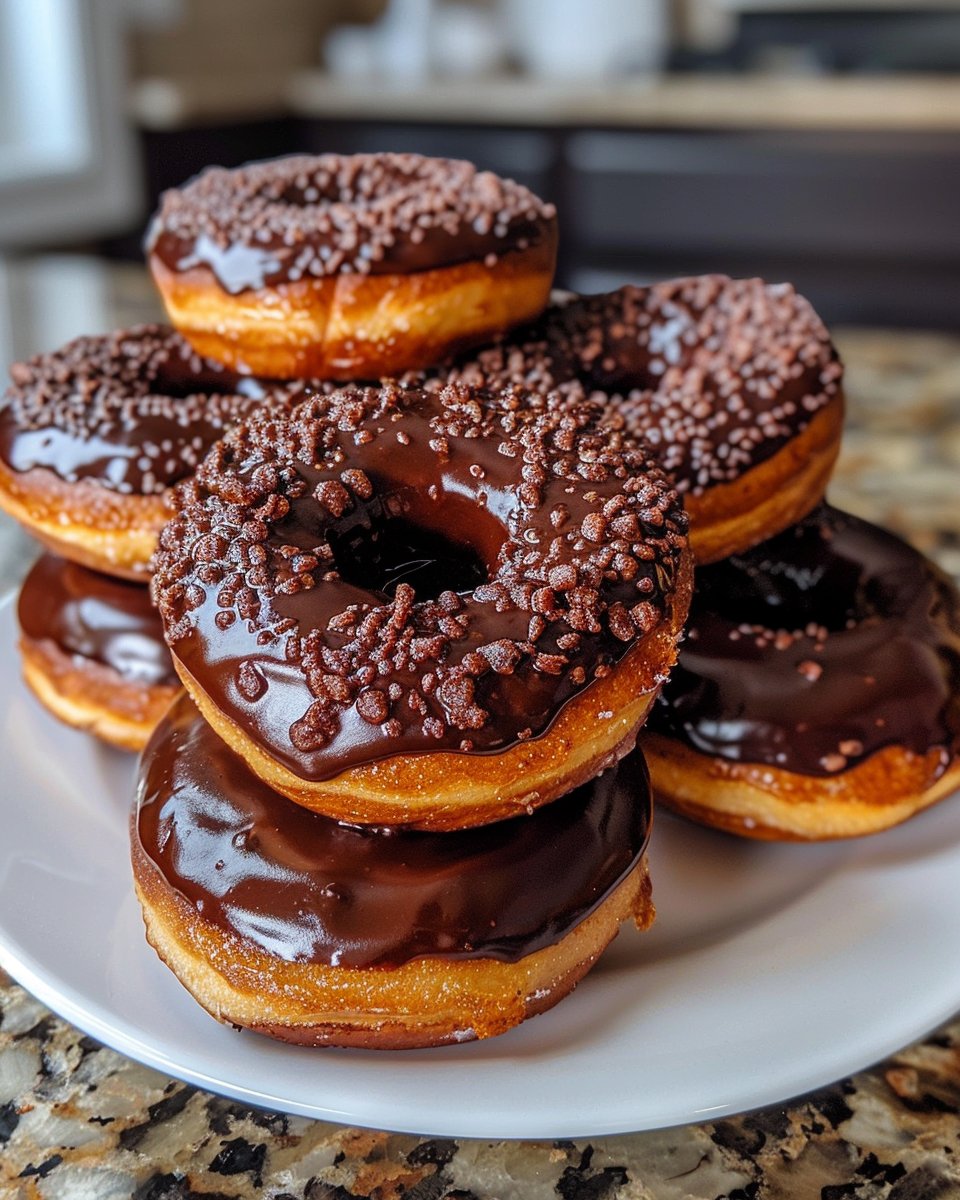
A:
x: 97, y: 617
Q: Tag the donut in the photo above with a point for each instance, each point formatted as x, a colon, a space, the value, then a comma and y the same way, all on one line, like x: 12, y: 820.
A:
x: 733, y: 383
x: 93, y: 652
x: 349, y: 267
x: 92, y: 437
x: 279, y: 920
x: 422, y: 609
x: 818, y: 690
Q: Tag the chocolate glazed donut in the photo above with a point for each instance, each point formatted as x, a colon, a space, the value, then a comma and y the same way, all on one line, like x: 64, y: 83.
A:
x: 93, y: 651
x: 349, y: 267
x: 93, y: 436
x: 733, y: 383
x: 818, y: 692
x: 283, y: 921
x: 428, y: 610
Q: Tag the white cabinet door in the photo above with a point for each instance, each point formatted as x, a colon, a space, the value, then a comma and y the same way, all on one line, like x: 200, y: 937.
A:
x: 67, y: 165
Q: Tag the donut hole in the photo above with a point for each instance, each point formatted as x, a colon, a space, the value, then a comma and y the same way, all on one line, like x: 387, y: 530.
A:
x: 380, y: 555
x: 333, y: 187
x: 804, y: 574
x: 789, y: 581
x: 314, y: 193
x: 180, y: 385
x: 434, y: 539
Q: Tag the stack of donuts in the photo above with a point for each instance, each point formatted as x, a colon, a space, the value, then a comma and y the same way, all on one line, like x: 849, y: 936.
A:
x: 420, y: 538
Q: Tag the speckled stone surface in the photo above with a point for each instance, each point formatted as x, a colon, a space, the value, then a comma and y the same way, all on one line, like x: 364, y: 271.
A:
x: 80, y: 1122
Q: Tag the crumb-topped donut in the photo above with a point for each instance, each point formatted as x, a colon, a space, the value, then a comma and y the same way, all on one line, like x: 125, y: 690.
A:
x: 817, y: 693
x: 93, y: 436
x: 435, y: 610
x: 733, y: 382
x: 93, y: 651
x: 283, y: 921
x: 349, y: 267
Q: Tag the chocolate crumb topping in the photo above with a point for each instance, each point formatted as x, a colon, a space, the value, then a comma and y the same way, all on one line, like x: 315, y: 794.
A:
x: 134, y: 411
x: 716, y: 374
x: 306, y: 217
x: 759, y: 681
x: 349, y: 601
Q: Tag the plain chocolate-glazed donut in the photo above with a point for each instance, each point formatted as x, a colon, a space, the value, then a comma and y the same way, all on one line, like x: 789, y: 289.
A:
x: 283, y: 921
x: 93, y: 651
x: 733, y: 383
x: 817, y: 693
x: 434, y: 610
x: 93, y: 436
x: 349, y: 267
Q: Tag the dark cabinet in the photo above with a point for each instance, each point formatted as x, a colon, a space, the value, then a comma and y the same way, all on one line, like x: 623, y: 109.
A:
x: 866, y: 224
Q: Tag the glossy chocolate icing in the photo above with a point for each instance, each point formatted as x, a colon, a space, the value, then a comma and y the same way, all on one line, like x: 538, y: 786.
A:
x: 133, y: 411
x: 463, y: 502
x: 239, y: 267
x: 817, y: 649
x: 304, y: 218
x: 96, y: 617
x: 307, y: 889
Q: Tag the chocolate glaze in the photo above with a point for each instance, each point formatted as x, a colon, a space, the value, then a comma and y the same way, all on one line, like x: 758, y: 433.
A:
x: 307, y: 889
x: 817, y: 649
x: 324, y: 673
x: 133, y: 411
x: 96, y: 617
x: 303, y: 217
x: 716, y: 374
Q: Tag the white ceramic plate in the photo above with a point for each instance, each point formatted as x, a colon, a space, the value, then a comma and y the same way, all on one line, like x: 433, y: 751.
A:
x: 771, y: 969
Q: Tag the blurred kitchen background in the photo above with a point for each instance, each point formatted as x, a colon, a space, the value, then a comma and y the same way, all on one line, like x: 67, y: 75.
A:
x: 817, y: 142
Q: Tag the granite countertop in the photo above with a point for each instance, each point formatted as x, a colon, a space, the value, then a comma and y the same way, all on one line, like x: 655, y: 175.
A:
x: 80, y: 1121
